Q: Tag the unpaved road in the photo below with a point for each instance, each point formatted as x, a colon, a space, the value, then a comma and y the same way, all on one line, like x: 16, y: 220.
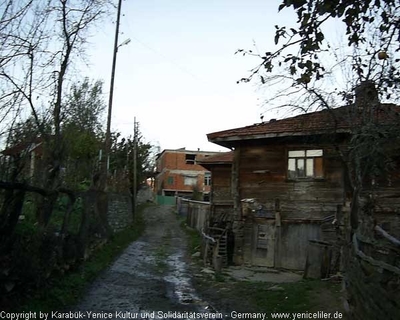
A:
x: 150, y: 278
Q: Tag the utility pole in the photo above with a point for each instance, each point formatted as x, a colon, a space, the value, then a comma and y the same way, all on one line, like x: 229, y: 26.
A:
x: 105, y: 161
x: 135, y: 145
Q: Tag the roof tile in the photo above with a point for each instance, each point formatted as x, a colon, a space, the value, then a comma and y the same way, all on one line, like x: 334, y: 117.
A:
x: 341, y: 119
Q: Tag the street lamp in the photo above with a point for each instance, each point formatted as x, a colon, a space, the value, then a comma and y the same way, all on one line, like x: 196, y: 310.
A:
x: 124, y: 43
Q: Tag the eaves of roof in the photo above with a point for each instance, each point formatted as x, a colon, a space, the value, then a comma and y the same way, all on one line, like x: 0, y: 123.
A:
x: 333, y: 121
x: 22, y: 147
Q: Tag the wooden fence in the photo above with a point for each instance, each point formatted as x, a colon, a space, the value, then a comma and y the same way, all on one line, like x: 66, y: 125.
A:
x: 197, y: 213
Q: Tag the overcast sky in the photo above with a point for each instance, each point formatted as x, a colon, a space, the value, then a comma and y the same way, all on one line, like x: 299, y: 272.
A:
x: 178, y: 74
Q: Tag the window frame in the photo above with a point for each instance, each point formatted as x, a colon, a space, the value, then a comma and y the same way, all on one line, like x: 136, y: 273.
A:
x: 207, y: 177
x: 190, y: 158
x: 194, y: 180
x: 301, y: 157
x: 170, y: 180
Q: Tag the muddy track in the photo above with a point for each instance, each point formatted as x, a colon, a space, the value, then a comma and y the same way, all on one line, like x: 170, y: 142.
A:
x: 150, y: 278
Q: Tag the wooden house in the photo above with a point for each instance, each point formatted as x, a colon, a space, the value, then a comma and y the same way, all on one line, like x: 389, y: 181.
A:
x: 220, y: 167
x: 218, y: 225
x: 27, y: 155
x: 288, y: 182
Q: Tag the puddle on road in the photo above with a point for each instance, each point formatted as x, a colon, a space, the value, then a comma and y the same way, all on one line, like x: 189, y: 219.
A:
x: 179, y: 279
x: 181, y: 284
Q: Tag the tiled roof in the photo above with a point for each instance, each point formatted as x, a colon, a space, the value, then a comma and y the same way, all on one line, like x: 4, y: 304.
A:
x: 30, y: 146
x: 321, y: 122
x: 220, y: 158
x: 184, y: 151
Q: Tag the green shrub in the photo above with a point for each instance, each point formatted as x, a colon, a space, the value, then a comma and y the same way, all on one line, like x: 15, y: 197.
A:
x: 66, y: 289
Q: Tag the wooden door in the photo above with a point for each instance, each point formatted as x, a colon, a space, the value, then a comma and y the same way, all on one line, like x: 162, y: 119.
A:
x: 263, y: 248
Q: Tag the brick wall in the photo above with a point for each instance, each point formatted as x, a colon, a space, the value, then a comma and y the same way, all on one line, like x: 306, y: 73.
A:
x: 174, y: 167
x: 178, y: 182
x: 177, y: 160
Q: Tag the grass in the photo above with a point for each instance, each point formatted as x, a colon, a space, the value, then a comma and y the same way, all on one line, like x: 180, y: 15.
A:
x: 295, y: 297
x: 194, y: 237
x: 302, y: 296
x: 67, y: 290
x: 28, y: 224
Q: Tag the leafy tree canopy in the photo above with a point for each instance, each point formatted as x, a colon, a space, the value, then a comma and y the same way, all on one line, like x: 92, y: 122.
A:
x: 357, y: 15
x: 82, y: 124
x: 85, y: 106
x: 122, y: 154
x: 82, y: 130
x: 372, y: 29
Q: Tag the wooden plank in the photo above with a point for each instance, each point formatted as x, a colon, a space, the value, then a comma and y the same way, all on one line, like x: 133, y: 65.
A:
x: 235, y: 184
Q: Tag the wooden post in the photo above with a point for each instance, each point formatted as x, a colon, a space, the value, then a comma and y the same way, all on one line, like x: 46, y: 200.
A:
x: 277, y: 256
x: 135, y: 145
x: 235, y: 184
x: 104, y: 164
x: 237, y: 226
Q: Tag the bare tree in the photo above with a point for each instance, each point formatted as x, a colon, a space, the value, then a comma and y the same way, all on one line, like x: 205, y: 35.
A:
x: 40, y: 40
x: 75, y: 19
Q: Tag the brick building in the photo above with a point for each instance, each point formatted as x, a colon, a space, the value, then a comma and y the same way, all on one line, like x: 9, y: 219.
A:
x: 179, y: 174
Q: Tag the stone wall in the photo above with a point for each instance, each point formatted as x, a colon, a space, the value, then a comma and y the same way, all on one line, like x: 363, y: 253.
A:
x: 120, y: 211
x: 144, y: 194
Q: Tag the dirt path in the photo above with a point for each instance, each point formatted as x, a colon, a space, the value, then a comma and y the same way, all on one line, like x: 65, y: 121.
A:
x: 150, y: 277
x: 153, y: 279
